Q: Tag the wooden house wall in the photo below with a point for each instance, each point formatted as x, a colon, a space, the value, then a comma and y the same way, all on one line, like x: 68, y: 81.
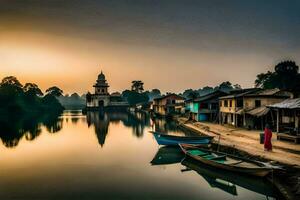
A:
x: 249, y: 102
x: 228, y: 109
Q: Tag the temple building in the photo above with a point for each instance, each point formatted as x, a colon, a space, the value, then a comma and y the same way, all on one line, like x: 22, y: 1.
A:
x: 102, y: 99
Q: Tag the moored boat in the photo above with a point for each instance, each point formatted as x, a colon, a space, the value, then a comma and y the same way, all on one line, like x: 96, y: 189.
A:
x: 215, y: 178
x: 226, y: 161
x: 163, y: 139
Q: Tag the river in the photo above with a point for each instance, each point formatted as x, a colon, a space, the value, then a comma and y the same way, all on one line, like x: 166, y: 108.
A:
x: 108, y: 156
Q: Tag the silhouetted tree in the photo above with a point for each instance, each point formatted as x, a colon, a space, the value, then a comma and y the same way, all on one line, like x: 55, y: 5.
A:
x: 137, y: 86
x: 225, y: 86
x: 193, y: 95
x: 237, y: 86
x: 187, y: 92
x: 11, y: 95
x: 12, y: 81
x: 155, y: 93
x: 32, y: 89
x: 285, y: 77
x: 134, y: 97
x: 54, y: 91
x: 205, y: 90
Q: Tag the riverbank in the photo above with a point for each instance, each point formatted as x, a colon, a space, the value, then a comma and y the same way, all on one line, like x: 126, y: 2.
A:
x: 246, y: 143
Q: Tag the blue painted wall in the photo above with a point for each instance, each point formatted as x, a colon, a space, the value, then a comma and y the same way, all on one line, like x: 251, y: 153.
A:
x: 202, y: 117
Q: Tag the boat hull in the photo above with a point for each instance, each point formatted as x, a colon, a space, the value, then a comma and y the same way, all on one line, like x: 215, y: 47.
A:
x: 173, y: 140
x: 259, y: 171
x: 256, y: 184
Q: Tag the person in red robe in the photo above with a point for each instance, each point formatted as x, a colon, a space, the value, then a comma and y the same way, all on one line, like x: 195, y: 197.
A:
x: 268, y: 138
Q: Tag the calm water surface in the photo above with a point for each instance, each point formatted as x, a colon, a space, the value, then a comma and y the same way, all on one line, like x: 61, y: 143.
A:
x: 107, y: 156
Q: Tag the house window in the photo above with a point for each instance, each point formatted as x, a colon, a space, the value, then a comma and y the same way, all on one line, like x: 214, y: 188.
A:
x: 239, y: 103
x: 225, y: 103
x: 230, y: 103
x: 257, y: 103
x: 173, y: 101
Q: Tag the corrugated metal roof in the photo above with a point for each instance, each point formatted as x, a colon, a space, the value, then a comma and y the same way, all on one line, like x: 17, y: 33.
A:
x: 257, y: 92
x: 215, y: 94
x: 287, y: 104
x: 258, y: 112
x: 267, y: 92
x: 240, y: 93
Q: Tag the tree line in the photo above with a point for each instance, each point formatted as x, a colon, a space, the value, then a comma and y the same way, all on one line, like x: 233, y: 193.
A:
x: 28, y: 98
x: 16, y: 99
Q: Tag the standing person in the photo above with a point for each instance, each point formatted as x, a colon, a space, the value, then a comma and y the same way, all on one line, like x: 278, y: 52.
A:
x: 268, y: 138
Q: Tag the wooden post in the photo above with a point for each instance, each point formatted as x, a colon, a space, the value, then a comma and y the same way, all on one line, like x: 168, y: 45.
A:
x: 235, y: 120
x: 277, y: 127
x: 296, y: 120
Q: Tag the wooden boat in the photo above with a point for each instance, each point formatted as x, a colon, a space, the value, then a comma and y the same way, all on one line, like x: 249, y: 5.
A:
x: 163, y: 139
x: 226, y: 161
x: 215, y: 178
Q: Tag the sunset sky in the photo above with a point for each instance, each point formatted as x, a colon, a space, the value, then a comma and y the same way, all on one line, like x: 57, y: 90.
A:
x: 172, y: 44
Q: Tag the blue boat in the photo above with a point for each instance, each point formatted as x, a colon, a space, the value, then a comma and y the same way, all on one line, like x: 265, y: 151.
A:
x: 163, y: 139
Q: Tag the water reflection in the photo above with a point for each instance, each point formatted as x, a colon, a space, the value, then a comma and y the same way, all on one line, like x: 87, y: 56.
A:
x: 101, y: 121
x: 14, y: 128
x: 30, y: 127
x: 164, y: 126
x: 227, y: 181
x: 167, y: 155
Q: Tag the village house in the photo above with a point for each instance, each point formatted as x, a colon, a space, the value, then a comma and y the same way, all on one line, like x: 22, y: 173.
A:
x: 168, y: 105
x: 288, y: 119
x: 205, y: 108
x: 101, y: 99
x: 248, y: 108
